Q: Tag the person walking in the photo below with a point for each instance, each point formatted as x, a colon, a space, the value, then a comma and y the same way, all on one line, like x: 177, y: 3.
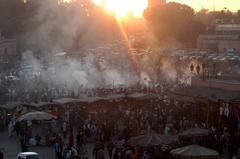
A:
x: 110, y: 147
x: 79, y: 139
x: 238, y: 153
x: 10, y: 129
x: 17, y: 128
x: 1, y: 155
x: 99, y: 146
x: 64, y: 129
x: 58, y: 147
x: 71, y: 140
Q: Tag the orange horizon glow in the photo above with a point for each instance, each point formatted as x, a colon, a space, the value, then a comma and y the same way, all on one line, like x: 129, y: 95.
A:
x: 123, y: 8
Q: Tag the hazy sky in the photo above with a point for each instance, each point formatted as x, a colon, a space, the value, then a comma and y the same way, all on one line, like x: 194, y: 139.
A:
x: 233, y: 5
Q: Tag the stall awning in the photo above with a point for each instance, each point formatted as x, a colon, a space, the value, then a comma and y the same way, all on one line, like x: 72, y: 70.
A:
x: 10, y: 105
x: 192, y: 94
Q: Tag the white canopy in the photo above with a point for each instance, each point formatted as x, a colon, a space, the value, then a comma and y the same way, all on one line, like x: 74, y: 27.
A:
x: 36, y: 116
x: 194, y: 151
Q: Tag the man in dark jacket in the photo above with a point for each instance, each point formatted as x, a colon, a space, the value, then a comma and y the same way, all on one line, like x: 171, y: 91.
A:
x: 1, y: 155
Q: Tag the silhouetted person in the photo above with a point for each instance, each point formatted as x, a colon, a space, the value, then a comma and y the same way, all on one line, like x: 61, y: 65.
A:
x: 1, y: 155
x: 71, y: 140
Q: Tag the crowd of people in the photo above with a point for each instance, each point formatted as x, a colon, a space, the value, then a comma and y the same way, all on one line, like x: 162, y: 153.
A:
x: 111, y: 129
x: 117, y: 127
x: 115, y: 122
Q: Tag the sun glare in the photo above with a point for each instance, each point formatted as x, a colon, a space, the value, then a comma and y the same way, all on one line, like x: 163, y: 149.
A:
x: 123, y: 8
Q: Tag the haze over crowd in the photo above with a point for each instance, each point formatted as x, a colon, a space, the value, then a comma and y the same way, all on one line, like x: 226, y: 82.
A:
x: 97, y: 49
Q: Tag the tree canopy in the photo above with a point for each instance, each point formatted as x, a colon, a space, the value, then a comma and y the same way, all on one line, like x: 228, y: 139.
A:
x: 174, y: 20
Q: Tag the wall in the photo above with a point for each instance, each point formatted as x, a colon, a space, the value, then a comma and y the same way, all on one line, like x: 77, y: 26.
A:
x: 7, y: 47
x: 219, y: 43
x: 218, y: 84
x: 207, y: 42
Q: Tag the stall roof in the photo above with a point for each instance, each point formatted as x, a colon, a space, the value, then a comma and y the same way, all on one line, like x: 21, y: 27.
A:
x: 114, y: 96
x: 3, y: 107
x: 37, y: 105
x: 66, y: 100
x: 206, y: 93
x: 94, y: 99
x: 83, y: 99
x: 88, y: 99
x: 10, y: 105
x: 141, y: 95
x: 137, y: 95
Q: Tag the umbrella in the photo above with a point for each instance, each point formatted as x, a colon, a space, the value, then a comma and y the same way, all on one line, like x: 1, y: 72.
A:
x: 194, y: 151
x: 36, y: 116
x: 194, y: 132
x: 152, y: 139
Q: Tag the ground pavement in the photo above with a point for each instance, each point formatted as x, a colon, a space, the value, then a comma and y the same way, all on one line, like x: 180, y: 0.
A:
x: 9, y: 146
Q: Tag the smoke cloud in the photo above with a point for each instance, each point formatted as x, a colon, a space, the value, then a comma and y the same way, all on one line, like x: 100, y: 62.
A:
x: 96, y: 54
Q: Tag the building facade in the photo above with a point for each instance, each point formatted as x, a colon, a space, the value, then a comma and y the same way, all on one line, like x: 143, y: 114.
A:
x: 7, y: 46
x: 225, y: 39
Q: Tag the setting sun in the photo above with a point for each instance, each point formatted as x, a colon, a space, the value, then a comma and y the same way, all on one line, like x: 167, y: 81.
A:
x: 122, y: 8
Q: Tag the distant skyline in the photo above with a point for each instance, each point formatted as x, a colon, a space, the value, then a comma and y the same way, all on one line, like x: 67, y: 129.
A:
x: 232, y: 5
